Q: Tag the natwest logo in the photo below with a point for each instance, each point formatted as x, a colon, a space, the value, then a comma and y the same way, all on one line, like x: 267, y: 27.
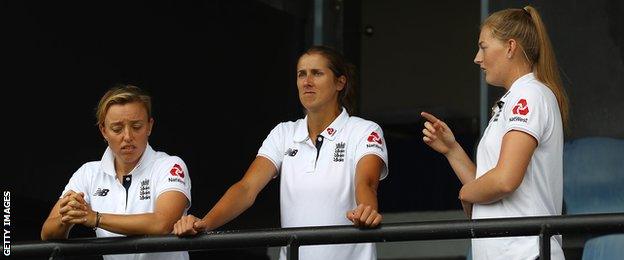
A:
x: 521, y: 108
x: 374, y: 137
x: 176, y: 170
x: 331, y: 131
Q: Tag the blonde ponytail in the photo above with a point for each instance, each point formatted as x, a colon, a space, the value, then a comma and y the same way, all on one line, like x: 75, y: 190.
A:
x: 546, y: 68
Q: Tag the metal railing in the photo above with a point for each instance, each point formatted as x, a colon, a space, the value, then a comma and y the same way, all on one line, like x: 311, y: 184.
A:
x: 293, y: 238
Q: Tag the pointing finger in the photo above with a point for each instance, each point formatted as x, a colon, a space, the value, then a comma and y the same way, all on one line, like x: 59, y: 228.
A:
x: 429, y: 117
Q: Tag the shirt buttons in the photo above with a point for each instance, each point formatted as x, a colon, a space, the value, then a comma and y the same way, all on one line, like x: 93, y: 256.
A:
x: 127, y: 178
x: 320, y: 138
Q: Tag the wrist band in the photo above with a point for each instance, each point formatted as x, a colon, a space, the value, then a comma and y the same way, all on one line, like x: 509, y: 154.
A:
x: 97, y: 220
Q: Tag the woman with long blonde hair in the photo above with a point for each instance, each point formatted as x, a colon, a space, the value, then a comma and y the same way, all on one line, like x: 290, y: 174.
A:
x: 519, y: 164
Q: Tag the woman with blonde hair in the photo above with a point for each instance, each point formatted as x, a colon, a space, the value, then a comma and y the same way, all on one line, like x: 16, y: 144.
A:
x: 519, y: 165
x: 133, y: 189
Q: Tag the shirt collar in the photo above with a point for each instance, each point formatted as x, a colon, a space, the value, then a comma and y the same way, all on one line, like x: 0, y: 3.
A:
x: 108, y: 161
x: 301, y: 132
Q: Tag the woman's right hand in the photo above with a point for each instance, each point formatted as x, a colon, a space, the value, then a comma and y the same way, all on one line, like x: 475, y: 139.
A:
x: 73, y: 208
x: 437, y: 134
x: 189, y: 225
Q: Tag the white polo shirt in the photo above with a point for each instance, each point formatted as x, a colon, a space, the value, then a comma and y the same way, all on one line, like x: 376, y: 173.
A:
x: 531, y: 107
x: 318, y: 186
x: 154, y: 174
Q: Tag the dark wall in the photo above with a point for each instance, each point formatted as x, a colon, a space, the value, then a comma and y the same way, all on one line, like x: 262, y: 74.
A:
x: 418, y: 56
x: 221, y: 73
x: 588, y: 38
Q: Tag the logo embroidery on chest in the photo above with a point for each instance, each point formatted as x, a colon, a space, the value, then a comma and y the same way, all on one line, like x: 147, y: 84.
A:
x: 291, y: 152
x: 101, y: 192
x: 339, y: 152
x: 331, y: 131
x: 144, y: 194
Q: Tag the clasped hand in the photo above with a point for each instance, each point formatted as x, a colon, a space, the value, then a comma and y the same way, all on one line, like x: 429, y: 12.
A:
x: 75, y: 210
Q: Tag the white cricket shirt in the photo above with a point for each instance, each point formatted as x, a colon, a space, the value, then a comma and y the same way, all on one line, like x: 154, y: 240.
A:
x: 154, y: 174
x: 531, y: 107
x: 317, y: 185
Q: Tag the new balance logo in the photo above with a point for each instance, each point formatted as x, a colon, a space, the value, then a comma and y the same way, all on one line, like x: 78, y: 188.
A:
x: 291, y: 152
x: 101, y: 192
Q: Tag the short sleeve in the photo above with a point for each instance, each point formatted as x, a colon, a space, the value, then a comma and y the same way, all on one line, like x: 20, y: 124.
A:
x: 372, y: 142
x: 172, y: 175
x: 79, y: 182
x: 273, y: 146
x: 527, y: 112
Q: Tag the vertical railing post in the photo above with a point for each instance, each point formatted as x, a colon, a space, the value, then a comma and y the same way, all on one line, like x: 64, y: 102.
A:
x: 292, y: 250
x: 54, y: 255
x: 544, y: 243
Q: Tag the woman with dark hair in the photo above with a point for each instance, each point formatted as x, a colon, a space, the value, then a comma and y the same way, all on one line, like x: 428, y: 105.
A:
x: 519, y: 169
x: 329, y: 162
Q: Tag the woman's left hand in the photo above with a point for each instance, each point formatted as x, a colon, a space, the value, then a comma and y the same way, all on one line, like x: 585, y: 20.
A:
x: 364, y: 216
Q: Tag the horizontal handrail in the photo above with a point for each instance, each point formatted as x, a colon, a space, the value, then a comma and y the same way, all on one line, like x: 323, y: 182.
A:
x: 427, y: 230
